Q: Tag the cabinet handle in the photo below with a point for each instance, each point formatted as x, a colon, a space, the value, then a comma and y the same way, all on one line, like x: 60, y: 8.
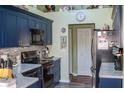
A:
x: 48, y: 41
x: 19, y: 42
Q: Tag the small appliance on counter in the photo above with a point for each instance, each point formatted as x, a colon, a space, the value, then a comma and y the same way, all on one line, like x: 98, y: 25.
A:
x: 118, y: 55
x: 45, y: 51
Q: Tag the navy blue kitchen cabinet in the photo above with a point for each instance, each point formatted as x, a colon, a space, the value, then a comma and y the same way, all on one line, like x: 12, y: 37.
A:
x: 110, y: 83
x: 10, y: 29
x: 9, y: 33
x: 44, y: 30
x: 56, y: 71
x: 15, y: 25
x: 49, y: 33
x: 24, y: 31
x: 35, y: 23
x: 35, y: 85
x: 32, y: 22
x: 1, y: 28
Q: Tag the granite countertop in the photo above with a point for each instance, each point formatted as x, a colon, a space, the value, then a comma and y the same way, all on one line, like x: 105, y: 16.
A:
x: 54, y: 58
x: 107, y: 71
x: 22, y: 81
x: 26, y: 67
x: 48, y: 60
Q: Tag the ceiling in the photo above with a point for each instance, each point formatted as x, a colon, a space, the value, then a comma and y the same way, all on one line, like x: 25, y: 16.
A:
x: 71, y: 7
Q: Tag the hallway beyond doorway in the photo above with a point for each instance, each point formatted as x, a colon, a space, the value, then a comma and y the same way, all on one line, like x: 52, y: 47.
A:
x: 81, y: 79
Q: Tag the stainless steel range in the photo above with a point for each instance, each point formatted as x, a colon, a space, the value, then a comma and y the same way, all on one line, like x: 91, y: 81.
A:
x: 31, y: 57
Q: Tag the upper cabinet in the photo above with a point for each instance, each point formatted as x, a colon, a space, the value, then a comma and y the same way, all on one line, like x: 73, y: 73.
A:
x: 23, y: 30
x: 15, y: 25
x: 1, y: 28
x: 8, y: 28
x: 117, y: 24
x: 49, y: 33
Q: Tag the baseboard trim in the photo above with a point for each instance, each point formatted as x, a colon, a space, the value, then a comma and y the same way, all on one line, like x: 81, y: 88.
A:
x: 74, y: 74
x: 64, y: 81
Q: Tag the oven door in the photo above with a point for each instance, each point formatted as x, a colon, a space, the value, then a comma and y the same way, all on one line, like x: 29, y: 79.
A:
x: 31, y: 73
x: 48, y: 74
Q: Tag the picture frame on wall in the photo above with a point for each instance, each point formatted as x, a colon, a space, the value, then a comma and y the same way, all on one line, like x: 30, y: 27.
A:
x: 63, y: 42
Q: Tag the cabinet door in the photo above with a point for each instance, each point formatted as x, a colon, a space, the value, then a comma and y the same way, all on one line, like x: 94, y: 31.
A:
x: 10, y: 30
x: 34, y: 85
x: 49, y: 33
x: 110, y: 83
x: 44, y: 30
x: 56, y: 71
x: 1, y: 29
x: 23, y: 27
x: 38, y: 24
x: 117, y: 26
x: 32, y: 22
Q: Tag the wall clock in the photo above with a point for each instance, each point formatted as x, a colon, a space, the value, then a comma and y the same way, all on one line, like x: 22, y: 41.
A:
x: 63, y: 30
x: 80, y: 16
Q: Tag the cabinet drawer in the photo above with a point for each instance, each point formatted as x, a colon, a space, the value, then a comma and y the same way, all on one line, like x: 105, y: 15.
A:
x: 110, y: 83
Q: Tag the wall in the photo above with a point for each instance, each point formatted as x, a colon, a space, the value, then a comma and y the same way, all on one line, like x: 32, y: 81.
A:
x: 63, y: 19
x: 123, y: 39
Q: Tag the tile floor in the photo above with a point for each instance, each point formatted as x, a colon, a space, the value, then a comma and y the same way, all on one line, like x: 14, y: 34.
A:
x: 73, y: 85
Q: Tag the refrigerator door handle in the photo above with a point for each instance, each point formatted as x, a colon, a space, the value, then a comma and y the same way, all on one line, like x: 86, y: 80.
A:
x: 93, y: 69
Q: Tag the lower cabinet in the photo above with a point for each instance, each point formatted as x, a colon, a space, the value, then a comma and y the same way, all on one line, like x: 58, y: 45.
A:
x: 35, y: 85
x: 56, y: 71
x: 110, y: 83
x: 38, y: 73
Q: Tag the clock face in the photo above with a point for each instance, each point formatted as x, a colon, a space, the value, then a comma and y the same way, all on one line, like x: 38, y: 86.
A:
x: 80, y: 16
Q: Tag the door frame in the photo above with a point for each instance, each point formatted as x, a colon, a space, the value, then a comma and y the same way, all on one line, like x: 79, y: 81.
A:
x: 73, y: 53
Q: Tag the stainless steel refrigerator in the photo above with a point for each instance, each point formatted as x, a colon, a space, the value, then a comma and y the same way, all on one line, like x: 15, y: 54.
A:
x: 101, y: 51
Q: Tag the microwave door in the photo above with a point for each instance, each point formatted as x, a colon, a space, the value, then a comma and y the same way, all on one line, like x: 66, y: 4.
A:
x: 38, y: 38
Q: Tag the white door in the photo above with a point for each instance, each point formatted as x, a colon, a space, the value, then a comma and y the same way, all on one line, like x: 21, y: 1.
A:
x: 84, y: 40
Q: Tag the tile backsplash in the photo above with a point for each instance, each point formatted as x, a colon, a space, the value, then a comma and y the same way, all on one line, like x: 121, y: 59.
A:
x: 17, y: 51
x: 13, y: 52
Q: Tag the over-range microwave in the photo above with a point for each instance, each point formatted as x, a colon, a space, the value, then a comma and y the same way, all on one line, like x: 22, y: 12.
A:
x: 36, y: 36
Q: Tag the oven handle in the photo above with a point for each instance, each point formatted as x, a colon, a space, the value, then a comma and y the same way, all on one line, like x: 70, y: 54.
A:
x: 31, y: 74
x: 50, y: 66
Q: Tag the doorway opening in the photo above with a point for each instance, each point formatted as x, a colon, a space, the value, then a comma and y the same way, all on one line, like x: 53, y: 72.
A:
x: 80, y: 56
